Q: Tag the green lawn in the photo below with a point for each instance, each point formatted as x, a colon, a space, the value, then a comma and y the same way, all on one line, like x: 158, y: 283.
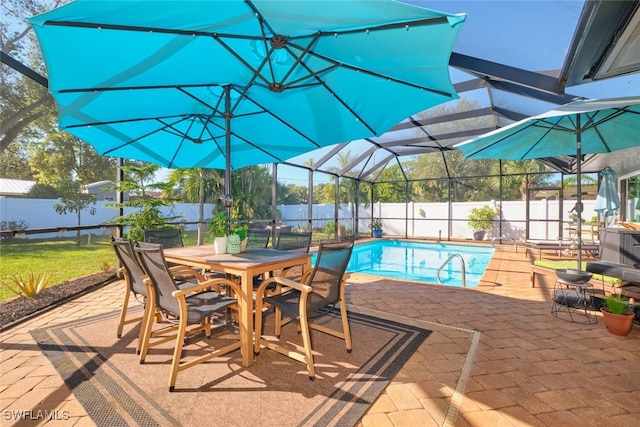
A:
x: 64, y: 258
x: 61, y: 256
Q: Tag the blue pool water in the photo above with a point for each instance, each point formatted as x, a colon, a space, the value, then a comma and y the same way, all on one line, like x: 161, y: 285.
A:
x: 420, y: 261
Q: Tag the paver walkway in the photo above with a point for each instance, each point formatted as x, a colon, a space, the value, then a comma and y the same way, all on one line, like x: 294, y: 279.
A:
x: 496, y: 358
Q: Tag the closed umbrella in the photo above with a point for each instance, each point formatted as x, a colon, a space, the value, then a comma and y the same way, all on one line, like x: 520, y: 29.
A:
x: 585, y: 126
x: 227, y: 84
x: 607, y: 200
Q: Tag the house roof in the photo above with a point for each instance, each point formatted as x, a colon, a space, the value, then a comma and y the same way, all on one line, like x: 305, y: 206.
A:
x: 15, y: 187
x: 100, y: 184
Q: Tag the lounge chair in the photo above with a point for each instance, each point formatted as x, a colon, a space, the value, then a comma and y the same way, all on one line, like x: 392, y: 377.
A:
x: 324, y: 286
x: 559, y: 245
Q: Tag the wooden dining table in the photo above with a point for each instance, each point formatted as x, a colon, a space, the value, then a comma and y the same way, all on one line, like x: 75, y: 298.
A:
x: 245, y: 265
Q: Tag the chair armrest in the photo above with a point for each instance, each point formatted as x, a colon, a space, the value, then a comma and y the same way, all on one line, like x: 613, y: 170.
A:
x: 205, y: 286
x: 284, y: 282
x: 183, y: 270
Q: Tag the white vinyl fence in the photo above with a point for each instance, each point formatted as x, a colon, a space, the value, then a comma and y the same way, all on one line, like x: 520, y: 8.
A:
x: 428, y: 220
x: 40, y: 213
x: 431, y: 220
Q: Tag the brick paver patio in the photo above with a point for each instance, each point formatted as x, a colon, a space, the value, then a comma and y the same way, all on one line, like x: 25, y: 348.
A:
x: 496, y: 357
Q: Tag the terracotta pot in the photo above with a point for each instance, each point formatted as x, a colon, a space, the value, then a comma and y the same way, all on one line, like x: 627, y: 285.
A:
x: 617, y: 324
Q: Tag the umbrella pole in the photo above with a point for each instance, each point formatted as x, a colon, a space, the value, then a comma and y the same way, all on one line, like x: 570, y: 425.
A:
x: 227, y: 143
x: 579, y: 188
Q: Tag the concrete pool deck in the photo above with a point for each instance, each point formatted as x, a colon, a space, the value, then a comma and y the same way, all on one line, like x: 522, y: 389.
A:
x: 496, y: 357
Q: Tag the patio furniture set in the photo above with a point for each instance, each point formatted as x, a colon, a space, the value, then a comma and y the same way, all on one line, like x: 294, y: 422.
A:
x: 577, y: 293
x: 214, y: 293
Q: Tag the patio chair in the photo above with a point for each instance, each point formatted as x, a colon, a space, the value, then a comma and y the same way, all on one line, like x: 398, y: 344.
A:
x: 168, y: 237
x: 324, y: 286
x: 189, y: 310
x: 292, y: 240
x: 172, y: 238
x: 287, y: 241
x: 134, y: 279
x: 258, y: 238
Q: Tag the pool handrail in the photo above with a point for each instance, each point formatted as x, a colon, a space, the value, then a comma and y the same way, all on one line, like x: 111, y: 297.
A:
x: 464, y: 269
x: 515, y: 244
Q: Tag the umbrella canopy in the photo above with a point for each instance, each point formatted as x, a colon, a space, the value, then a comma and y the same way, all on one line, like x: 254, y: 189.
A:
x: 227, y: 84
x: 585, y: 126
x: 607, y: 200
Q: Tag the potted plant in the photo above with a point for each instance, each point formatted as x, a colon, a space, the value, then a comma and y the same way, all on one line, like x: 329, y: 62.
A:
x: 238, y: 236
x: 618, y: 318
x: 219, y: 227
x: 481, y: 220
x: 376, y: 228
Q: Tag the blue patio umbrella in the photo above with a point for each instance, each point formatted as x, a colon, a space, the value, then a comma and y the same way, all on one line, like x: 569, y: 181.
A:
x: 607, y: 200
x: 227, y: 84
x: 585, y: 126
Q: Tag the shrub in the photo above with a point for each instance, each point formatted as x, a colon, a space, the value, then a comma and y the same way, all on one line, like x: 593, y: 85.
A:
x: 329, y: 227
x: 30, y: 285
x: 481, y: 219
x: 13, y: 226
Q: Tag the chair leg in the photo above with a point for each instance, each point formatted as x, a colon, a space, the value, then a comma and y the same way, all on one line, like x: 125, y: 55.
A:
x: 143, y: 324
x: 123, y: 312
x: 206, y: 325
x: 278, y: 322
x: 177, y: 354
x: 306, y: 340
x: 147, y: 326
x: 345, y: 325
x: 257, y: 327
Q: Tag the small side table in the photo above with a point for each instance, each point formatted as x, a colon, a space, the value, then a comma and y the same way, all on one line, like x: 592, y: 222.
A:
x: 573, y: 299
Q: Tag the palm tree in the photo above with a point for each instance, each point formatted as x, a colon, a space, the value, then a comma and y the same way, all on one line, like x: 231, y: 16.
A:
x: 197, y: 185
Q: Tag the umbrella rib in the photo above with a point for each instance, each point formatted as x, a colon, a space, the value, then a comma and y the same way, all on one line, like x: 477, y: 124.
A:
x: 313, y: 75
x: 315, y: 144
x: 170, y: 128
x: 185, y: 135
x: 488, y: 146
x: 259, y: 16
x: 214, y: 109
x: 244, y: 95
x: 263, y: 23
x: 246, y: 141
x: 105, y: 26
x: 115, y: 122
x: 374, y: 74
x: 133, y: 140
x: 256, y: 72
x: 127, y: 88
x: 390, y: 26
x: 190, y: 33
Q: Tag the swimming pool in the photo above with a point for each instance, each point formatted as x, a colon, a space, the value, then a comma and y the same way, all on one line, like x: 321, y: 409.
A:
x: 420, y: 261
